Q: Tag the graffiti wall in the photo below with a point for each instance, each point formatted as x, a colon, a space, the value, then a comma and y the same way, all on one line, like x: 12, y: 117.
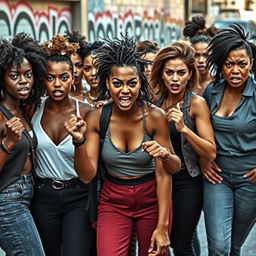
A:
x: 160, y: 28
x: 42, y: 25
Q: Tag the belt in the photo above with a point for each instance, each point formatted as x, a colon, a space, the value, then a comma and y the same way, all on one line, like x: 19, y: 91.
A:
x: 58, y: 184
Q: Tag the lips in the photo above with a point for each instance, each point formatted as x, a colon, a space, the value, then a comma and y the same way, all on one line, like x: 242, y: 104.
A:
x: 94, y: 81
x: 24, y: 91
x: 125, y: 101
x: 175, y: 87
x: 235, y: 80
x: 201, y: 68
x: 57, y: 93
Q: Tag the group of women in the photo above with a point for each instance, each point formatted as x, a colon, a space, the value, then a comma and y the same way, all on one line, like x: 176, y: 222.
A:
x: 163, y: 162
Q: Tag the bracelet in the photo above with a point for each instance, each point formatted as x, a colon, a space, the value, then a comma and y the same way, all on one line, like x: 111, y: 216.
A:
x: 4, y: 148
x: 168, y: 156
x: 77, y: 144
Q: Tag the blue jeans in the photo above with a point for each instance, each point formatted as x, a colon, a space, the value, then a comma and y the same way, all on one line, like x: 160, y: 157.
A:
x: 230, y: 213
x: 18, y: 233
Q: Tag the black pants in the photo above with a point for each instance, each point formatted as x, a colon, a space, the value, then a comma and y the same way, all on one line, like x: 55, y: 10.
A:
x: 62, y: 219
x: 187, y: 207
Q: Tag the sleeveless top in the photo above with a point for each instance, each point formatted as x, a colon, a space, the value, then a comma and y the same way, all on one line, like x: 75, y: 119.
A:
x: 15, y: 162
x: 189, y: 155
x: 53, y: 161
x: 128, y: 164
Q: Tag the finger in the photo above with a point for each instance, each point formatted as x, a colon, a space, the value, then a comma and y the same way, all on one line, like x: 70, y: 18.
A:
x: 216, y: 166
x: 158, y: 249
x: 215, y: 177
x: 151, y: 246
x: 208, y: 178
x: 178, y: 106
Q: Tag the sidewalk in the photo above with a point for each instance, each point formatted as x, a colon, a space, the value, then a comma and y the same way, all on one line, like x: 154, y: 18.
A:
x: 249, y: 246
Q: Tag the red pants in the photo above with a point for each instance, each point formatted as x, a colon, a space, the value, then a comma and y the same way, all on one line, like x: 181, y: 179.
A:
x: 120, y: 208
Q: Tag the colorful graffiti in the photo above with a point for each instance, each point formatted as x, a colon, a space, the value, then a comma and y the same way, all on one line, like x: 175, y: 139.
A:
x: 160, y: 28
x: 42, y: 25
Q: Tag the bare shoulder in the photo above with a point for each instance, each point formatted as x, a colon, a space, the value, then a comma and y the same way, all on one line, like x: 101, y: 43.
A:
x: 198, y: 104
x: 93, y: 118
x: 155, y: 113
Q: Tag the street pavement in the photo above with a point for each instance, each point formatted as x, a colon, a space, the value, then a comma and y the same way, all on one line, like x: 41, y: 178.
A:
x: 249, y: 247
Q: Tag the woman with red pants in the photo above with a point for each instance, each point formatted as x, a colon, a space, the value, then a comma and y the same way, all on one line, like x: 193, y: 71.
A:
x: 137, y: 154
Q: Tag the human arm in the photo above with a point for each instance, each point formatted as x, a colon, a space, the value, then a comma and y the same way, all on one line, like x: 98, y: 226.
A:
x: 11, y: 132
x: 160, y: 237
x: 203, y: 142
x: 251, y: 175
x: 86, y: 155
x: 161, y: 147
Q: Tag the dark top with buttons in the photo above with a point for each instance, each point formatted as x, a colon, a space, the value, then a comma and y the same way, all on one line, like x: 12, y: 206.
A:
x: 236, y: 134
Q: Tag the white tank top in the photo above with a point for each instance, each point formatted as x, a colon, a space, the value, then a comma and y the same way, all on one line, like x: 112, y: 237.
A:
x: 53, y: 161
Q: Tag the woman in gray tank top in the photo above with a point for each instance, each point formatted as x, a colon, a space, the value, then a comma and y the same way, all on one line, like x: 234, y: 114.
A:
x: 137, y: 153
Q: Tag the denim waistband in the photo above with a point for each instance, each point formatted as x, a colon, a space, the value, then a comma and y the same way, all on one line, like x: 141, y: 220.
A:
x: 130, y: 182
x: 25, y: 178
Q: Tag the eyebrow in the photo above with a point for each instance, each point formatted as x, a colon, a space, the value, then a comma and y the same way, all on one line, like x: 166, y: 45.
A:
x: 16, y: 71
x: 122, y: 80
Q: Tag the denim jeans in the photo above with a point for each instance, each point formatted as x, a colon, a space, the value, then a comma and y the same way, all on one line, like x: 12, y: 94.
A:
x: 18, y: 233
x: 230, y: 213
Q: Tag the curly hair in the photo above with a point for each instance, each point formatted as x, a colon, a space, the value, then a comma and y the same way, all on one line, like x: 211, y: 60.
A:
x: 120, y: 52
x: 181, y: 50
x: 13, y: 52
x: 59, y: 49
x: 227, y: 40
x: 197, y: 26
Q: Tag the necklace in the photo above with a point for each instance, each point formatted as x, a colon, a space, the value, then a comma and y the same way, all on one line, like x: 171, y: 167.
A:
x: 90, y: 96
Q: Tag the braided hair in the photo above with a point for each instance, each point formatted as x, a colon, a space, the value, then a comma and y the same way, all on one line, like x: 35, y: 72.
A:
x: 229, y: 39
x: 13, y: 52
x: 120, y: 52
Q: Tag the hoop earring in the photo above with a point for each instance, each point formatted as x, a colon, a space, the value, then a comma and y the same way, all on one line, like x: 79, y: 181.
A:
x: 2, y: 94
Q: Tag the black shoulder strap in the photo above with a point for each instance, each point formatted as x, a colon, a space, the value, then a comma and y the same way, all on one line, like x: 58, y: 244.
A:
x: 104, y: 120
x: 161, y: 99
x: 6, y: 112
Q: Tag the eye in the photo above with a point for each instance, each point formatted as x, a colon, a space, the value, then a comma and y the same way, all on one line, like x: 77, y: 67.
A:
x: 29, y: 75
x: 206, y: 55
x: 64, y: 78
x: 181, y: 72
x: 243, y: 64
x: 132, y: 83
x: 169, y: 72
x: 49, y: 78
x: 13, y: 77
x: 228, y: 65
x: 79, y: 65
x: 197, y: 55
x: 87, y: 68
x: 116, y: 84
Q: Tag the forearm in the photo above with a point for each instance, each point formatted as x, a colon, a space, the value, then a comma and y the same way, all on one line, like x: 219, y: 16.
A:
x: 201, y: 146
x: 172, y: 165
x: 83, y: 166
x: 164, y: 186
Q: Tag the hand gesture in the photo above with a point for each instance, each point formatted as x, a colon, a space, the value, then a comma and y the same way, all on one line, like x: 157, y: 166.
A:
x: 251, y: 175
x: 210, y: 171
x: 175, y: 115
x: 159, y: 243
x: 76, y: 126
x: 155, y: 150
x: 14, y: 129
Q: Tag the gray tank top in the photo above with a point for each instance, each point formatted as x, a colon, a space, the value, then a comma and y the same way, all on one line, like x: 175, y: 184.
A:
x: 127, y: 164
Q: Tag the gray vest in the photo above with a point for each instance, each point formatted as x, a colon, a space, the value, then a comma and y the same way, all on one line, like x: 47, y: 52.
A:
x: 190, y: 156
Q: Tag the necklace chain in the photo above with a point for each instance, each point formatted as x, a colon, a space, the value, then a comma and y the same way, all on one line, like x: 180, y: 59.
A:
x: 90, y: 96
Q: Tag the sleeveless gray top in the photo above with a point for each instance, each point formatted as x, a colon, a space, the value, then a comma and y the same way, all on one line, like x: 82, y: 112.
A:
x: 128, y: 164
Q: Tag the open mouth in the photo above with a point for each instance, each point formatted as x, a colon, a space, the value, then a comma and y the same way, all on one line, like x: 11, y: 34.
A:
x: 175, y: 87
x: 125, y: 101
x: 24, y: 91
x: 201, y: 68
x: 235, y: 80
x: 57, y: 93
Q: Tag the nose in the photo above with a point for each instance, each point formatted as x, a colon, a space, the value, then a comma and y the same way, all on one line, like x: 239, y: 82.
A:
x: 125, y: 89
x: 23, y: 80
x: 57, y: 83
x: 175, y: 77
x: 235, y: 69
x: 94, y: 71
x: 201, y: 59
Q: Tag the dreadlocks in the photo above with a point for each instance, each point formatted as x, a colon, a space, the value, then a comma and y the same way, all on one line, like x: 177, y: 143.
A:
x: 13, y: 52
x: 226, y: 40
x: 121, y: 53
